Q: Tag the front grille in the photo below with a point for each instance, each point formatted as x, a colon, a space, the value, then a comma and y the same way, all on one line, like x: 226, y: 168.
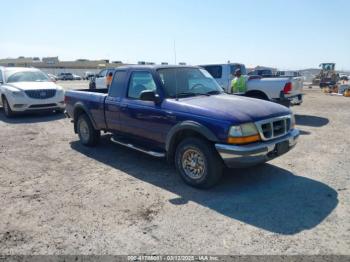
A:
x: 43, y: 105
x: 274, y: 127
x: 41, y: 94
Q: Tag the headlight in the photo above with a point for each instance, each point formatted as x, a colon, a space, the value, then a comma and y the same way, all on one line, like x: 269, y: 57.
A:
x: 248, y: 129
x: 17, y: 93
x: 60, y: 91
x: 292, y: 121
x: 243, y: 134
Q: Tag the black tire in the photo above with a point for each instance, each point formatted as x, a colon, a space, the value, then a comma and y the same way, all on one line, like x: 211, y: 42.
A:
x: 258, y: 96
x: 92, y: 85
x: 213, y: 165
x: 7, y: 108
x: 87, y: 134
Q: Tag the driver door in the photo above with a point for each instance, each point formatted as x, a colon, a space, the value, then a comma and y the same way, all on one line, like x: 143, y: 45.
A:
x: 143, y: 120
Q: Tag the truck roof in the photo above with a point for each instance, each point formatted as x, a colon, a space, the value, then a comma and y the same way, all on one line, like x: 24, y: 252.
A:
x: 154, y: 67
x: 221, y: 64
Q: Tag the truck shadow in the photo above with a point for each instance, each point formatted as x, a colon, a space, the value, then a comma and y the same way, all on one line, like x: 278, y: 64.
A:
x: 31, y: 118
x: 314, y: 121
x: 304, y: 133
x: 267, y: 197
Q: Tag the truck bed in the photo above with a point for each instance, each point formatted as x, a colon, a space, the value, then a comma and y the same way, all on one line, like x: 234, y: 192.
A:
x: 92, y: 99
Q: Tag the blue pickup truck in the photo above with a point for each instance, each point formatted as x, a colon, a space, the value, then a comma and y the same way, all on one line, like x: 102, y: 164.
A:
x: 182, y: 114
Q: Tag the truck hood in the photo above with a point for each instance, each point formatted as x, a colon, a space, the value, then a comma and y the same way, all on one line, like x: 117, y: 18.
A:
x: 23, y: 86
x: 232, y: 108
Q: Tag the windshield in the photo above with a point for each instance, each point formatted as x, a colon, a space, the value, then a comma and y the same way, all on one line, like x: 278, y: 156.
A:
x: 27, y: 76
x: 182, y: 82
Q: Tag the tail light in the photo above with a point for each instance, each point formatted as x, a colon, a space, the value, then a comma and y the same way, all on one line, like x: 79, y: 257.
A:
x: 287, y: 88
x: 65, y: 99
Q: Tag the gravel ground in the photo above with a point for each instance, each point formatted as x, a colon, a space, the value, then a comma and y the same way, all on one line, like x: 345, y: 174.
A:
x: 58, y: 197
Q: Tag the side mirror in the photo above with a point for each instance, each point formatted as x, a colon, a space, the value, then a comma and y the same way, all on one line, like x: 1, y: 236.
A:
x: 1, y: 82
x: 149, y: 95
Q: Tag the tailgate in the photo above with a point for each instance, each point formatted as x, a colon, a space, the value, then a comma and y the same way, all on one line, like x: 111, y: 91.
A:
x: 297, y: 86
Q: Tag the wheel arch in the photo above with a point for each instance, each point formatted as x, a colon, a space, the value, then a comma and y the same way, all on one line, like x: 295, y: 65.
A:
x: 257, y: 94
x: 183, y: 130
x: 79, y: 109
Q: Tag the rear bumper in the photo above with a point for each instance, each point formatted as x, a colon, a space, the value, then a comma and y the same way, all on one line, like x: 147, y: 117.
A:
x: 290, y: 100
x: 296, y: 100
x: 253, y: 154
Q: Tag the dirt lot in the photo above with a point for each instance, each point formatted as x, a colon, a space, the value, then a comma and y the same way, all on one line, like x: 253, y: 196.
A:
x: 58, y: 197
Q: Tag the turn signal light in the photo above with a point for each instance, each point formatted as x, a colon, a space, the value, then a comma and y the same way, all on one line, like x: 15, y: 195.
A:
x: 243, y: 139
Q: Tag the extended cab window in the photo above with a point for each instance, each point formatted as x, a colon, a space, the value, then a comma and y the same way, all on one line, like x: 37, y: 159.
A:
x: 117, y: 86
x: 215, y: 71
x: 140, y: 81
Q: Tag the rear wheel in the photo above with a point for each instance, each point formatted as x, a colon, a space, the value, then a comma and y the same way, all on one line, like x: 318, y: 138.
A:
x: 7, y: 108
x: 198, y: 163
x: 257, y: 95
x: 87, y: 134
x: 92, y: 85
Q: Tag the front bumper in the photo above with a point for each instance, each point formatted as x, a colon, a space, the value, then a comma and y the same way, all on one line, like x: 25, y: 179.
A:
x: 256, y: 153
x: 26, y: 104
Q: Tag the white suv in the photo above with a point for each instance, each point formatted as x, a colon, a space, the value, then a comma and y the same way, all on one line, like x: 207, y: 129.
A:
x: 28, y: 89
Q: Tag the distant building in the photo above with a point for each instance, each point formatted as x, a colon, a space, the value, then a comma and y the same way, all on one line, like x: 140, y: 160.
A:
x: 55, y: 63
x: 145, y: 63
x: 50, y: 60
x: 20, y: 61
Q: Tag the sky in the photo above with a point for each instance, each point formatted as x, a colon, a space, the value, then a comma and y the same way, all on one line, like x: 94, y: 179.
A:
x: 288, y: 34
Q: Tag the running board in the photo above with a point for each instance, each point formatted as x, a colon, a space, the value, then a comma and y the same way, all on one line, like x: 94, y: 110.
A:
x: 151, y: 153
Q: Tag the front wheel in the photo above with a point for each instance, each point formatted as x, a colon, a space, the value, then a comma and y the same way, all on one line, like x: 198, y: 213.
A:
x: 198, y: 163
x: 7, y: 108
x: 87, y: 134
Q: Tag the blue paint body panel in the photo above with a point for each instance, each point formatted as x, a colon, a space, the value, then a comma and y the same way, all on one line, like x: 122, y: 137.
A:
x: 151, y: 122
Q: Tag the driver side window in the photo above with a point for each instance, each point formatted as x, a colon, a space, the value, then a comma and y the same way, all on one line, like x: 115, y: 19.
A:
x: 1, y: 79
x: 102, y: 73
x: 140, y: 81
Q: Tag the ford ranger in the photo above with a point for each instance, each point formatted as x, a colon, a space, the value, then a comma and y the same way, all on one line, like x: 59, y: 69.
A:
x: 181, y: 113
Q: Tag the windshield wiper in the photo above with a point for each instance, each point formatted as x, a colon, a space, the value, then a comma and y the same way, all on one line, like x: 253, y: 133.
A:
x: 188, y: 94
x: 214, y: 92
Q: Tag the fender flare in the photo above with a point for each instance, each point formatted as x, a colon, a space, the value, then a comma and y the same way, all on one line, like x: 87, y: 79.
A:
x: 259, y: 92
x: 82, y: 107
x: 188, y: 125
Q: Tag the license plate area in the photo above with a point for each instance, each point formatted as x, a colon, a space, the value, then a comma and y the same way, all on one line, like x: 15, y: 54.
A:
x: 282, y: 147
